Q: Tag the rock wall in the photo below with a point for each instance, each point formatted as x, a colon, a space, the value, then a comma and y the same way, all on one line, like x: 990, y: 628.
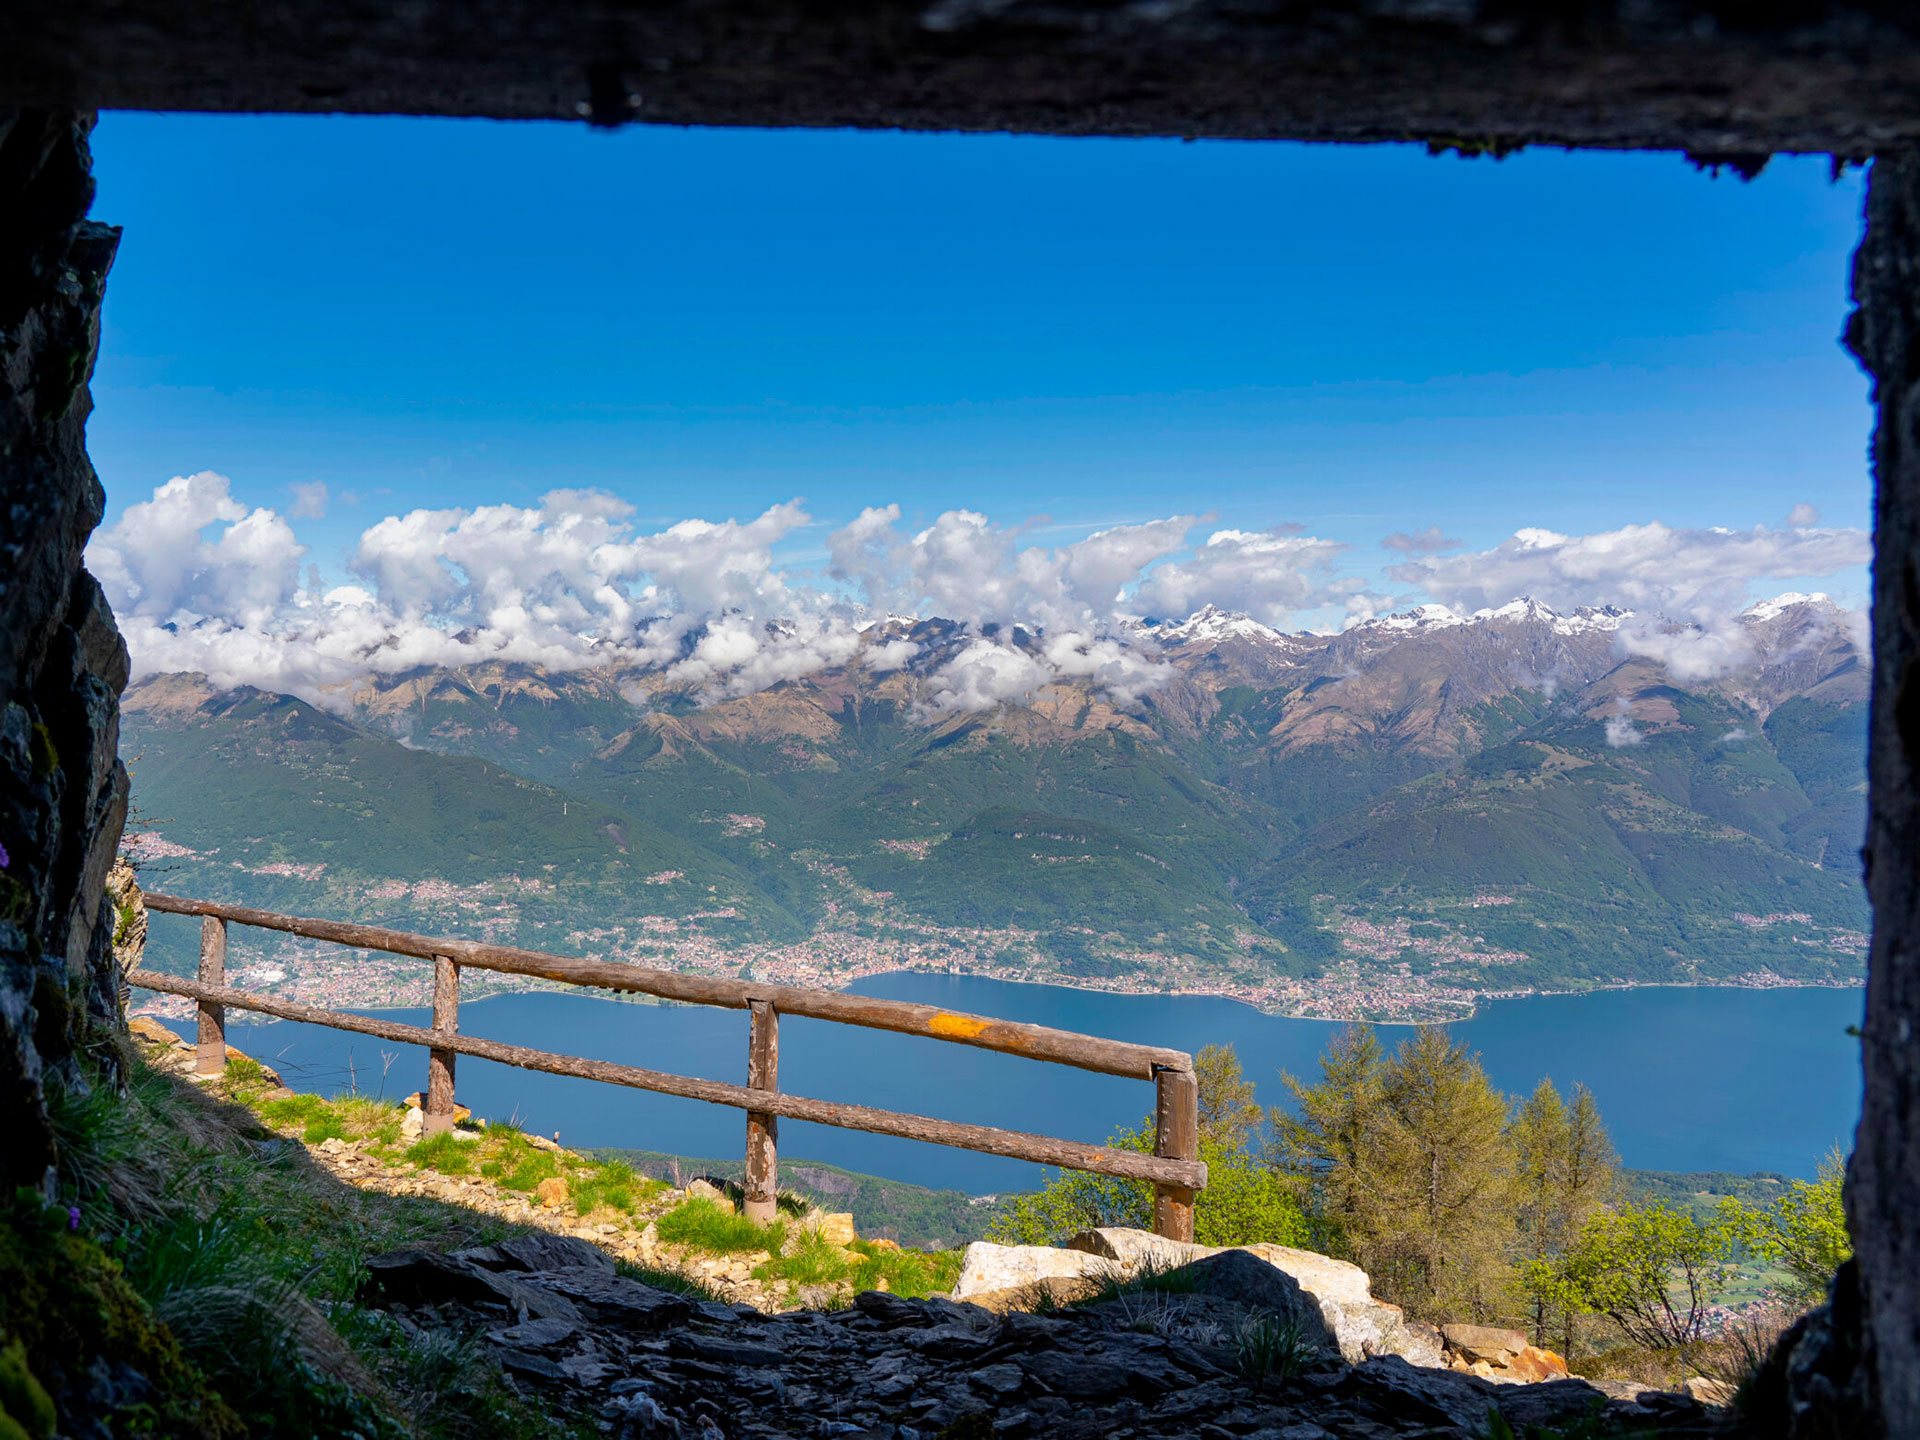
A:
x: 1883, y: 1184
x: 63, y: 791
x: 1730, y: 80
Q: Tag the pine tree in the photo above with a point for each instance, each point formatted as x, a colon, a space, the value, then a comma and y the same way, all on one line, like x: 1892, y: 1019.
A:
x: 1443, y: 1173
x: 1228, y: 1112
x: 1565, y: 1173
x: 1328, y: 1146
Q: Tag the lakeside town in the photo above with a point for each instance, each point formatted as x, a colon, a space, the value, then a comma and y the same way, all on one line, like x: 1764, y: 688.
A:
x: 1373, y: 980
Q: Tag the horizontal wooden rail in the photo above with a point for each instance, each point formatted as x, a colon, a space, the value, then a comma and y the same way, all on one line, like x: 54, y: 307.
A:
x: 1184, y: 1175
x: 1010, y: 1037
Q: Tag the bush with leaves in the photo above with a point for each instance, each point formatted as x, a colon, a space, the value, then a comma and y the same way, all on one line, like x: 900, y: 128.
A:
x: 1653, y: 1271
x: 1804, y: 1231
x: 1245, y: 1202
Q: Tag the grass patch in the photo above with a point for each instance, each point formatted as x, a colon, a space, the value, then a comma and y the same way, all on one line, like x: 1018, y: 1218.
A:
x: 309, y: 1114
x: 443, y: 1153
x: 246, y: 1071
x: 700, y: 1224
x: 1272, y: 1347
x: 519, y: 1165
x: 610, y: 1185
x: 252, y: 1256
x: 810, y: 1260
x: 911, y: 1273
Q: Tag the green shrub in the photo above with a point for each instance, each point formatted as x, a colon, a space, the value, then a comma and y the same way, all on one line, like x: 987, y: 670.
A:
x: 1653, y: 1271
x: 1245, y: 1202
x: 23, y: 1399
x: 1805, y: 1230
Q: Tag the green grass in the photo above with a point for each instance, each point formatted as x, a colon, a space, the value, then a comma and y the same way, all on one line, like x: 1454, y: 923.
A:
x: 521, y: 1166
x: 443, y: 1153
x: 907, y: 1272
x: 610, y: 1184
x: 700, y: 1224
x: 254, y: 1256
x: 810, y: 1259
x: 913, y: 1215
x: 317, y: 1119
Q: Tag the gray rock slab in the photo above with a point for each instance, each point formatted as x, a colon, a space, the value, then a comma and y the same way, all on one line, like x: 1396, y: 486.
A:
x: 613, y: 1298
x: 537, y: 1334
x: 1078, y: 1377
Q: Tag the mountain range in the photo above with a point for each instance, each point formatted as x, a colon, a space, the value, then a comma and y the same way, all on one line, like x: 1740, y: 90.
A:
x: 1424, y: 807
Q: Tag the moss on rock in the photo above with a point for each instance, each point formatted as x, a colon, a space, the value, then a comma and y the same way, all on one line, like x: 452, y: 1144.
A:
x: 88, y: 1343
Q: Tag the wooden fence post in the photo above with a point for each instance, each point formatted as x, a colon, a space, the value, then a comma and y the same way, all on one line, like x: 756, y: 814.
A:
x: 210, y: 1056
x: 763, y: 1130
x: 436, y: 1114
x: 1176, y: 1137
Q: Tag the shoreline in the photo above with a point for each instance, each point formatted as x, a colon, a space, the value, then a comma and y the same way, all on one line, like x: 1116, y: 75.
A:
x: 161, y: 1006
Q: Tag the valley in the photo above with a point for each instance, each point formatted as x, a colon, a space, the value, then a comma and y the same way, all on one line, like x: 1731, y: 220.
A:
x: 1389, y: 824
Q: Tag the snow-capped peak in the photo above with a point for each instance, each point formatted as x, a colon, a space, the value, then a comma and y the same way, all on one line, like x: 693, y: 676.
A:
x: 1214, y: 624
x: 1524, y: 607
x: 1422, y: 617
x: 1780, y: 604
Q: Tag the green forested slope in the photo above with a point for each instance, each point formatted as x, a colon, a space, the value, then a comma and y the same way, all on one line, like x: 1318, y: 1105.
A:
x: 1457, y: 818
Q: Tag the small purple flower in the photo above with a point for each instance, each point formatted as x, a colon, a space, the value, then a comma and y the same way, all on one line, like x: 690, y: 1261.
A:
x: 5, y: 859
x: 73, y: 1217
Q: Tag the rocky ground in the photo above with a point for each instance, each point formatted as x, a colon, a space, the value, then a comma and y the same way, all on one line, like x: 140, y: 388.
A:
x: 1126, y: 1335
x: 372, y: 1154
x: 1217, y: 1357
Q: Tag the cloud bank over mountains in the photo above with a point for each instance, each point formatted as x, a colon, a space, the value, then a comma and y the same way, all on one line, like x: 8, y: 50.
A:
x: 201, y: 581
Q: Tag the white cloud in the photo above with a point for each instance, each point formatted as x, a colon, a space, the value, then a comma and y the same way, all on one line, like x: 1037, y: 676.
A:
x: 1268, y: 574
x: 202, y: 581
x: 1430, y: 541
x: 1691, y: 652
x: 1803, y: 516
x: 193, y: 551
x: 985, y: 675
x: 965, y: 567
x: 1653, y: 567
x: 1621, y: 731
x: 1683, y: 585
x: 309, y: 500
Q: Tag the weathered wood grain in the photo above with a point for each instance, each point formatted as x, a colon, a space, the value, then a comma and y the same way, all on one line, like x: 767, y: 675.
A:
x: 436, y: 1113
x: 1176, y: 1136
x: 763, y: 1128
x: 210, y: 1053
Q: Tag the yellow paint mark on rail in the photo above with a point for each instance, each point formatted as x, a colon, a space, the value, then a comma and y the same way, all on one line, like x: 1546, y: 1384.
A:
x: 957, y: 1027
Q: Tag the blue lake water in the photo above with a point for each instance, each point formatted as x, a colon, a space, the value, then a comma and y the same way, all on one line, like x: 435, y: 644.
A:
x: 1687, y: 1079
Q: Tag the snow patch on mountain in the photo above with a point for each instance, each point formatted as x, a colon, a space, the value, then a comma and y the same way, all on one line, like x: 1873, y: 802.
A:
x: 1779, y: 605
x: 1211, y: 625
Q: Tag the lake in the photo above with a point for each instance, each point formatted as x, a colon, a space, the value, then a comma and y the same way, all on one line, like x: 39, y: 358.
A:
x: 1687, y: 1079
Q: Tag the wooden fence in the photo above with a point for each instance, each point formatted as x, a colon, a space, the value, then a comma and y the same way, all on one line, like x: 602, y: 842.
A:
x: 1174, y: 1167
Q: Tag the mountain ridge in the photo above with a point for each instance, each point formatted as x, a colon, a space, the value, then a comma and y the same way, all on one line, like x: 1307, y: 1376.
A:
x: 1286, y: 818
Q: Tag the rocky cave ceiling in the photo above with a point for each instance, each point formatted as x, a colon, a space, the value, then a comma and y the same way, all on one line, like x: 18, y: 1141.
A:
x: 1728, y: 80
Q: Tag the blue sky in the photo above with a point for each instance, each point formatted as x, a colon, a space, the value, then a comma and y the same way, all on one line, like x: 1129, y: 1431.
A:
x: 1064, y: 335
x: 706, y: 321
